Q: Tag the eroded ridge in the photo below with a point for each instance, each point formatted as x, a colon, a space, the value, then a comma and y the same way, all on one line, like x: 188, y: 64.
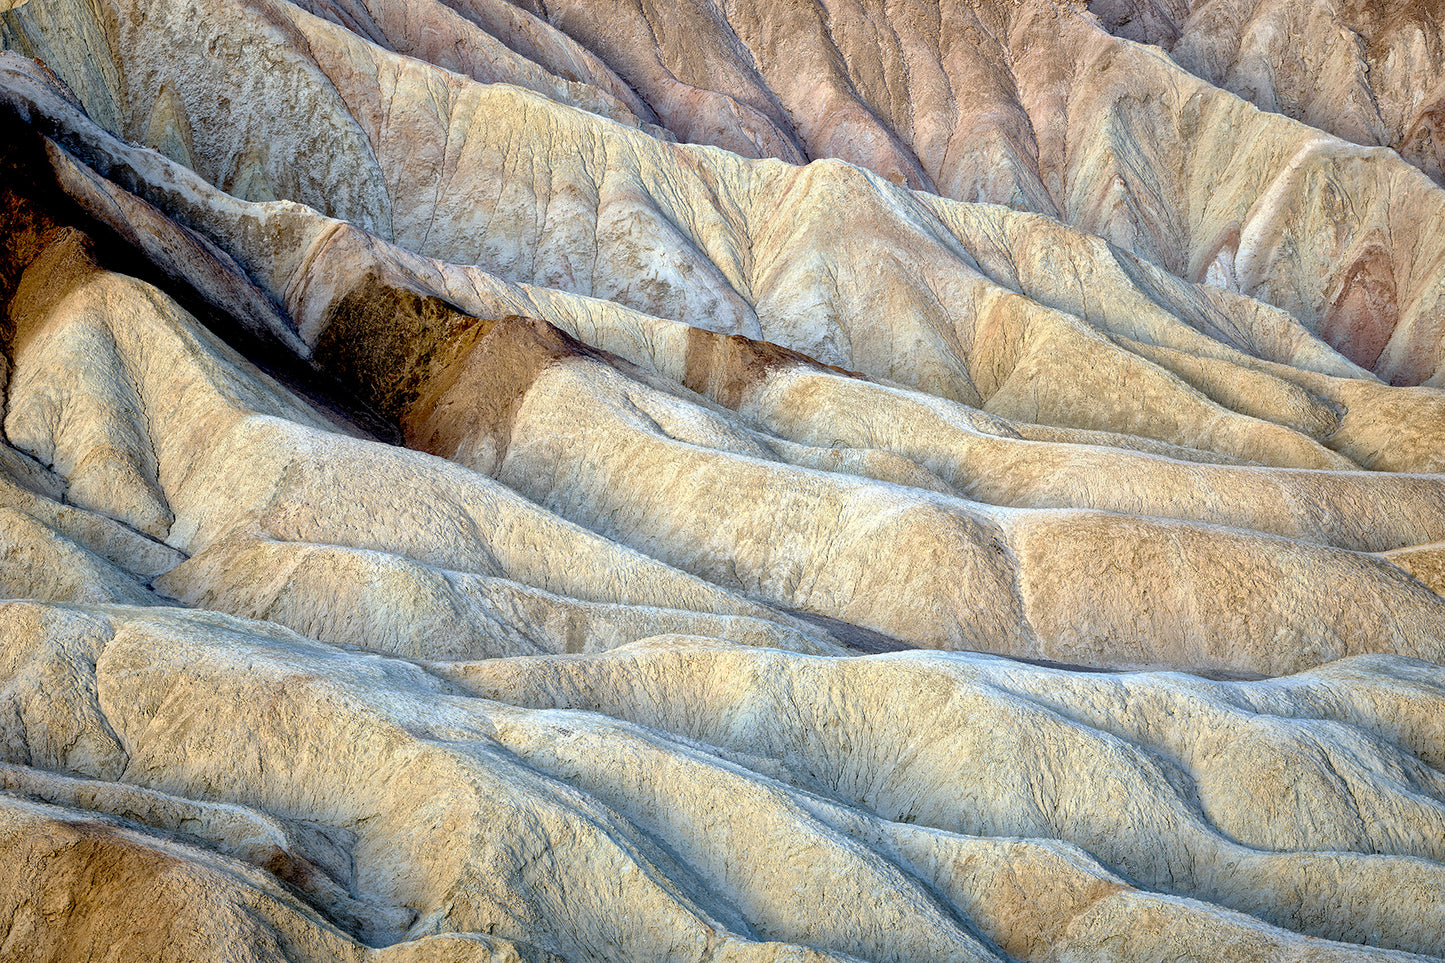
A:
x: 454, y: 455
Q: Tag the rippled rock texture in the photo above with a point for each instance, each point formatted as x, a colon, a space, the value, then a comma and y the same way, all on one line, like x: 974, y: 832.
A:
x: 630, y: 480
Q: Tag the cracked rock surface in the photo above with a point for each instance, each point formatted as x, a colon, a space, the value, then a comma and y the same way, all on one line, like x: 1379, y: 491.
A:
x: 703, y: 481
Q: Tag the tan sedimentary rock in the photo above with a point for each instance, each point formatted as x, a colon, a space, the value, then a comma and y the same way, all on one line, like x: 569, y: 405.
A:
x: 454, y: 453
x: 688, y: 485
x: 1367, y: 72
x: 721, y: 822
x: 1424, y: 562
x: 1134, y: 149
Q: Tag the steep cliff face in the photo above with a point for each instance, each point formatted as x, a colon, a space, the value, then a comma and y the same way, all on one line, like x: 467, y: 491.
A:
x: 456, y: 455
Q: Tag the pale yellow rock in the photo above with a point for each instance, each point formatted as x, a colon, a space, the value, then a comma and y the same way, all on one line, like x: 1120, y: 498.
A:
x: 38, y: 562
x: 672, y: 818
x: 1122, y: 102
x: 454, y: 453
x: 1425, y: 562
x: 393, y: 604
x: 563, y: 433
x: 1368, y: 72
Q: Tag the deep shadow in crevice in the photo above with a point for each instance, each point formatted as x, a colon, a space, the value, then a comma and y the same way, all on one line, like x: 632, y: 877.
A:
x: 32, y: 205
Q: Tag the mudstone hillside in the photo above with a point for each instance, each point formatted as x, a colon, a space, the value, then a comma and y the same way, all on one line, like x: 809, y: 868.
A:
x: 722, y: 480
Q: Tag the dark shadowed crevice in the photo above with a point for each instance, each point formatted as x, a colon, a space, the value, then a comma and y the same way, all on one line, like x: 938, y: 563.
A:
x: 33, y: 205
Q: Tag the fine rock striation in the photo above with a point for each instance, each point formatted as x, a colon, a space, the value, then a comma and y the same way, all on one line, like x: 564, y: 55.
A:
x: 695, y: 481
x: 1367, y: 72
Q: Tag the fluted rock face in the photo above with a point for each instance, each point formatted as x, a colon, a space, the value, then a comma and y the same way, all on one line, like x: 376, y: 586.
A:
x: 1367, y: 72
x: 457, y: 454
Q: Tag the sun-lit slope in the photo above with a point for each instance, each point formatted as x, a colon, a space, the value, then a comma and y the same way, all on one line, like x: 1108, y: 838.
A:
x: 1134, y: 149
x: 930, y: 313
x: 1367, y: 72
x: 784, y: 481
x: 1041, y: 736
x: 768, y: 498
x: 756, y: 799
x: 207, y: 454
x: 443, y: 511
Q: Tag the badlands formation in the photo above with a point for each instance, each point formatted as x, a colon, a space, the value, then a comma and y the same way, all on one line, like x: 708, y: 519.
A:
x: 702, y: 480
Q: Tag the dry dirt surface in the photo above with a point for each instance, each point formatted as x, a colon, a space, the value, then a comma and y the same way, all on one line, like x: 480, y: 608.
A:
x: 722, y: 480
